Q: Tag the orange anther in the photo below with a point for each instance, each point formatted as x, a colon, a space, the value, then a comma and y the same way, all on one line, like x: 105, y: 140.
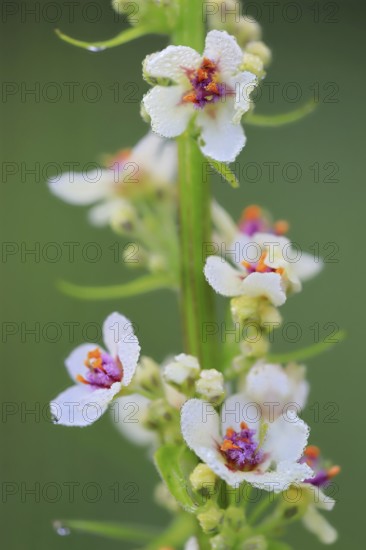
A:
x: 245, y: 264
x: 261, y: 266
x: 280, y: 270
x: 252, y: 212
x: 94, y: 354
x: 281, y: 227
x: 228, y: 445
x: 230, y: 432
x: 81, y: 379
x: 243, y: 425
x: 189, y: 98
x: 208, y: 64
x: 312, y: 451
x: 333, y: 471
x: 202, y: 75
x: 212, y: 87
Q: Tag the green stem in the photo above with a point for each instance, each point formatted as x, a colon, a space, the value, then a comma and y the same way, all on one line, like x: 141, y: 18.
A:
x: 194, y: 212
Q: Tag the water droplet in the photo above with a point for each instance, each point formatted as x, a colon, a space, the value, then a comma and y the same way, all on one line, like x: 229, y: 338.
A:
x: 61, y: 529
x: 96, y: 48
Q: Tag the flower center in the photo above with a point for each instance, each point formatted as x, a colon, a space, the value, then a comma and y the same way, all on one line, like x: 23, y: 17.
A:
x: 103, y: 370
x: 254, y: 220
x: 322, y: 475
x: 240, y: 449
x: 206, y: 87
x: 260, y: 266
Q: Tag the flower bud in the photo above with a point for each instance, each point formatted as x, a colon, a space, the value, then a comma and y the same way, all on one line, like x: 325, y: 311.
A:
x: 147, y: 375
x: 253, y: 64
x: 244, y: 308
x: 260, y: 49
x: 158, y: 413
x: 124, y: 219
x: 156, y: 263
x: 247, y: 30
x: 255, y: 348
x: 210, y: 386
x: 269, y: 315
x: 202, y: 477
x: 183, y: 371
x: 210, y: 519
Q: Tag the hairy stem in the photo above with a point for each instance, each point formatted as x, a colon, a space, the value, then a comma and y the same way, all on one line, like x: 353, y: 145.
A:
x: 194, y: 212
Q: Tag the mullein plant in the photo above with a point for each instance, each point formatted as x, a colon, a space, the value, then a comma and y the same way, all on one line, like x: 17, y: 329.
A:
x: 221, y: 423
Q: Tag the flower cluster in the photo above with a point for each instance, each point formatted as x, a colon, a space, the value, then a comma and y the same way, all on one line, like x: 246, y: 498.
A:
x: 214, y: 428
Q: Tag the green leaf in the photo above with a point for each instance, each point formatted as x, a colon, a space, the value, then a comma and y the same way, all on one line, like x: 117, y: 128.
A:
x: 225, y: 172
x: 272, y: 121
x: 175, y: 463
x: 111, y: 530
x: 144, y: 284
x: 308, y: 352
x: 121, y: 38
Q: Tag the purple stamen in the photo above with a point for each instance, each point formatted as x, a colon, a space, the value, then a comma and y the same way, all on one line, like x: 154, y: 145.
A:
x: 241, y: 450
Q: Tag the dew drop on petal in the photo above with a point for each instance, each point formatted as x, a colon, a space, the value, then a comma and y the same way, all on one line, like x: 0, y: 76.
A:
x: 61, y: 529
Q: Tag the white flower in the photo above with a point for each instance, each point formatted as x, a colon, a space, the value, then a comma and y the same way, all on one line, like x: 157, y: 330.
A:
x: 274, y: 388
x: 240, y: 449
x: 98, y: 374
x: 210, y: 87
x: 313, y: 520
x: 183, y: 369
x: 267, y: 266
x: 152, y: 161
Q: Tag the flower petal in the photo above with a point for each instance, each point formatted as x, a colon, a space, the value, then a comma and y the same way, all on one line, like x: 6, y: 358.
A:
x: 243, y: 246
x: 157, y: 157
x: 243, y: 84
x: 222, y: 140
x: 319, y: 526
x: 223, y: 278
x: 299, y: 386
x: 82, y: 405
x: 223, y: 222
x: 127, y: 413
x: 121, y: 341
x: 200, y: 426
x: 306, y: 268
x: 75, y: 361
x: 224, y: 49
x: 238, y: 408
x: 169, y: 115
x: 286, y: 438
x: 318, y: 498
x: 172, y: 62
x: 268, y: 383
x: 277, y: 480
x: 82, y: 189
x: 102, y: 214
x: 264, y: 284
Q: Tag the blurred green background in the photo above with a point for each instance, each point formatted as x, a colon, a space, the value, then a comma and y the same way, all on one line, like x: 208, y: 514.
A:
x: 35, y: 130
